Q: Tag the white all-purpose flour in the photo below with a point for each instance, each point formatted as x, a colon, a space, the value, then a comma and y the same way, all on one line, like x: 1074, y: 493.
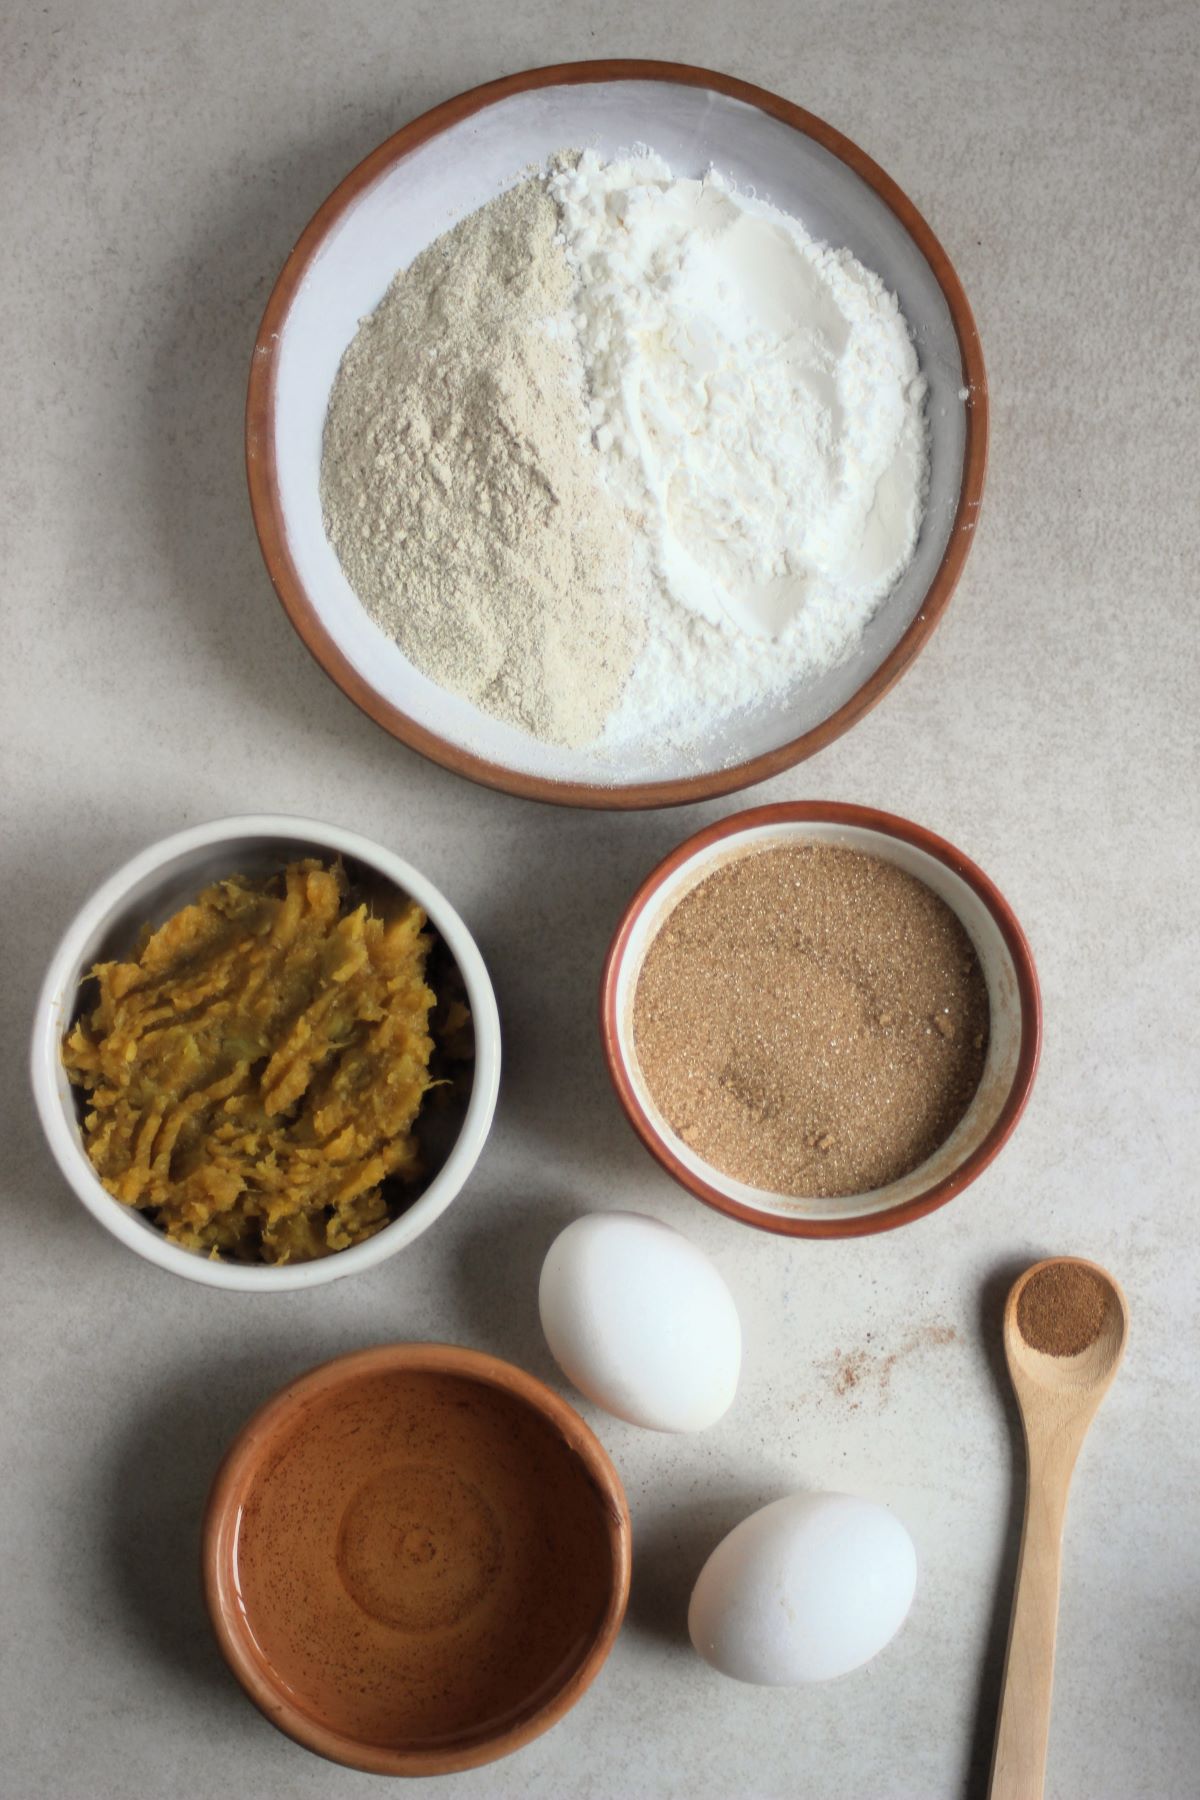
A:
x: 758, y: 403
x: 758, y: 452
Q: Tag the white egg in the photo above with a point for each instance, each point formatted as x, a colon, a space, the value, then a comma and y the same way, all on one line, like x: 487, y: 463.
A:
x: 806, y: 1589
x: 641, y: 1322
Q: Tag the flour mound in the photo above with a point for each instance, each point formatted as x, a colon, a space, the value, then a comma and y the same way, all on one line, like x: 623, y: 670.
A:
x: 758, y: 405
x: 460, y: 487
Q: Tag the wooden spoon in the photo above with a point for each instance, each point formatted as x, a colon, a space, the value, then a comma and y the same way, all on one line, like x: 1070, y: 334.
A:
x: 1058, y: 1397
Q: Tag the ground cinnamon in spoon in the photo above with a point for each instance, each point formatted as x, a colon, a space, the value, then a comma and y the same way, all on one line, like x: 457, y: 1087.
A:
x: 1061, y: 1310
x: 811, y: 1020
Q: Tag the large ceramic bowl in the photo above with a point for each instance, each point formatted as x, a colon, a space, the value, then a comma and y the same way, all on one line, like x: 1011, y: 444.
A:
x: 148, y: 890
x: 1013, y: 999
x: 445, y: 165
x: 461, y: 1599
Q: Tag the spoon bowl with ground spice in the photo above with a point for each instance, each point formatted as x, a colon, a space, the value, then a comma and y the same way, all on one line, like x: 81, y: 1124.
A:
x: 1065, y: 1327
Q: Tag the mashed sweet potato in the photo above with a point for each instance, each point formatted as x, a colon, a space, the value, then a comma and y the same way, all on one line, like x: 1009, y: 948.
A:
x: 254, y: 1071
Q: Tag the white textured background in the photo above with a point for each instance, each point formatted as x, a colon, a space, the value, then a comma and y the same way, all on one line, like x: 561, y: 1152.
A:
x: 159, y: 161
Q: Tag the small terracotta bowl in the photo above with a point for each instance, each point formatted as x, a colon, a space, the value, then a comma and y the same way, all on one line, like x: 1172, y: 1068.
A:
x: 416, y: 1559
x: 1013, y: 996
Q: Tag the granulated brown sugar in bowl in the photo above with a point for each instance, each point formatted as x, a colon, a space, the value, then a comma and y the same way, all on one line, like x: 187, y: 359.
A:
x: 812, y: 1020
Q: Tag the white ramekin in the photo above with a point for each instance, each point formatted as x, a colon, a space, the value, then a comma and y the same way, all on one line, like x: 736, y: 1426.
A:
x: 148, y: 889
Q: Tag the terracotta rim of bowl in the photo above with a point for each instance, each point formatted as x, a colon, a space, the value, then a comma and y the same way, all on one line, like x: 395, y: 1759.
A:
x: 236, y: 1475
x: 890, y: 825
x: 262, y: 473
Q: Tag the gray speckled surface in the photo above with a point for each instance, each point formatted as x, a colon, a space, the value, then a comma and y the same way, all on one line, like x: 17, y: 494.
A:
x: 159, y: 162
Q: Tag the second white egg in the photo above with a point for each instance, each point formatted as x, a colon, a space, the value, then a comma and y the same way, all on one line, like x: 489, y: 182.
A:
x: 641, y: 1322
x: 805, y: 1589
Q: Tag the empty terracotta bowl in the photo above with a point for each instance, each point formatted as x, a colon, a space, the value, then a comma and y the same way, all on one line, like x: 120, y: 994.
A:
x: 1013, y: 1000
x: 416, y: 1559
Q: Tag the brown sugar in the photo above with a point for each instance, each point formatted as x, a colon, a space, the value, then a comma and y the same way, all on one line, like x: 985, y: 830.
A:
x: 1062, y: 1309
x: 811, y: 1020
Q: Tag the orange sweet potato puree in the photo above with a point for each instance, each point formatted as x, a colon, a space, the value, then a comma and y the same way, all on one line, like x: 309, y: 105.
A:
x: 254, y: 1071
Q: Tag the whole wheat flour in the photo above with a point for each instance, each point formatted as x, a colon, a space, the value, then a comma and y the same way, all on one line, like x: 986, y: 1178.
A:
x: 460, y: 488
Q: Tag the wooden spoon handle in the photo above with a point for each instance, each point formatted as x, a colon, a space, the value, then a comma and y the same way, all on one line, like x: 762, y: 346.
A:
x: 1019, y: 1762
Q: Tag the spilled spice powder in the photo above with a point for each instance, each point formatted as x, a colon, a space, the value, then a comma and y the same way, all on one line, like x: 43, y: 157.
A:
x: 811, y: 1020
x: 850, y: 1374
x: 1061, y: 1311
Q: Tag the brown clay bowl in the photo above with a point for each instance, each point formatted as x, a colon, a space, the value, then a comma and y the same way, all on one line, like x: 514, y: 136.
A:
x: 416, y: 1559
x: 1013, y: 995
x: 443, y: 166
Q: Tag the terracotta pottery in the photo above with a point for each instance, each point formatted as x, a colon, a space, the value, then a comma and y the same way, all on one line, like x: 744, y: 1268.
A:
x: 416, y: 1559
x: 443, y: 166
x: 1013, y: 997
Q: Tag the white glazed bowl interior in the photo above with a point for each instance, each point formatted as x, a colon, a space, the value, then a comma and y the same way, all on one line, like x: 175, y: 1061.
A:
x: 1004, y: 1001
x: 148, y: 890
x: 461, y: 168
